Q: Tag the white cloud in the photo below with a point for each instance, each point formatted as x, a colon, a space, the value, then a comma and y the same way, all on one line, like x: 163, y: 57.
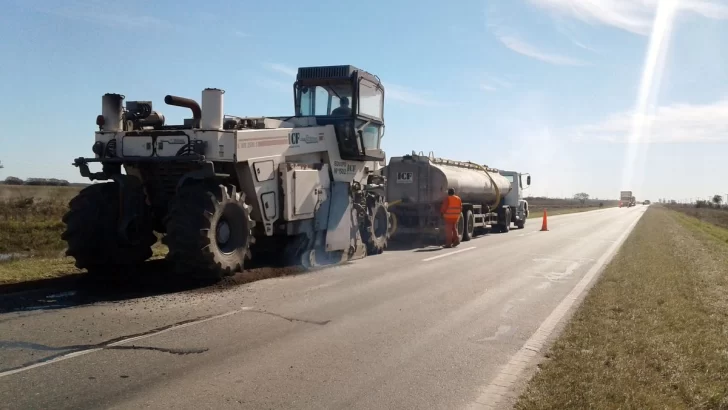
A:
x: 241, y: 34
x: 582, y: 45
x: 99, y: 12
x: 408, y: 95
x: 672, y: 123
x: 275, y: 85
x: 283, y: 69
x: 491, y: 83
x: 635, y: 16
x: 526, y: 49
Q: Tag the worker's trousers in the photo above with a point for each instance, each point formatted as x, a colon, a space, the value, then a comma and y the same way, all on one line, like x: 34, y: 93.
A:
x: 451, y: 233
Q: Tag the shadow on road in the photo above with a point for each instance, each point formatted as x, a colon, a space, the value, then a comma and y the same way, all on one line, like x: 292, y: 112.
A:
x: 430, y: 249
x: 155, y: 277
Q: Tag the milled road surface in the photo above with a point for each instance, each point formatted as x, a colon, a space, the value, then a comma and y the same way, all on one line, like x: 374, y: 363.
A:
x: 415, y: 329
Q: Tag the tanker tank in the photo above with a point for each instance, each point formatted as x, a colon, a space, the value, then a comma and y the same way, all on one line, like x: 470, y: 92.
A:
x: 418, y: 179
x: 417, y: 185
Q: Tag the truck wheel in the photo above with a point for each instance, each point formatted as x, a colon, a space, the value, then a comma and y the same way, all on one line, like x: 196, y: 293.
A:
x: 209, y: 231
x: 520, y: 224
x: 506, y: 227
x: 461, y: 227
x: 468, y: 228
x: 392, y: 228
x: 377, y: 230
x: 91, y: 231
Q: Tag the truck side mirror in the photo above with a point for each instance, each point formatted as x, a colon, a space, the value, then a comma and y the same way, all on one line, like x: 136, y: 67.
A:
x: 528, y: 180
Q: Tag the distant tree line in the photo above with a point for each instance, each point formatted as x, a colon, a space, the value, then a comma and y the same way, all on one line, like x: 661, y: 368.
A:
x: 716, y: 202
x: 36, y: 181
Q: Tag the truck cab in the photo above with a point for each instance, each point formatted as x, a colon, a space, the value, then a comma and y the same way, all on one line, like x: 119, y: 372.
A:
x: 514, y: 199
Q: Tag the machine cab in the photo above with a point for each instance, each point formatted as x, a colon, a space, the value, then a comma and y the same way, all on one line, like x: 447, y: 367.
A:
x: 350, y: 99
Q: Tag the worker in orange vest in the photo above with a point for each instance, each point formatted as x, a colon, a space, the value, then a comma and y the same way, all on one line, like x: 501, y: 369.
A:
x: 451, y: 208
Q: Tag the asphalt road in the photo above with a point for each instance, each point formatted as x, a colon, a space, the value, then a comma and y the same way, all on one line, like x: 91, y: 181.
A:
x: 415, y: 329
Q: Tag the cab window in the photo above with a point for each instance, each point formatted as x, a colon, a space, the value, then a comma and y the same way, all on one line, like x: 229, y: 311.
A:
x: 371, y: 99
x: 323, y: 100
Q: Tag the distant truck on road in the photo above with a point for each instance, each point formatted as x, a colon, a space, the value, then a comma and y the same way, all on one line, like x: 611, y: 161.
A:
x: 626, y: 199
x: 417, y: 184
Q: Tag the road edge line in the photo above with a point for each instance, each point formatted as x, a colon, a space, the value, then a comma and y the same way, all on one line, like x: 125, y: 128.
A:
x: 499, y: 386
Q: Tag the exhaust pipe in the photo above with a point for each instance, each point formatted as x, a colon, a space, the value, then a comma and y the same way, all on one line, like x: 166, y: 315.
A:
x: 186, y: 103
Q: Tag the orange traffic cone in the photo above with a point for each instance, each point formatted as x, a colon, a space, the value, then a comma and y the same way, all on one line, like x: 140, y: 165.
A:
x: 544, y: 224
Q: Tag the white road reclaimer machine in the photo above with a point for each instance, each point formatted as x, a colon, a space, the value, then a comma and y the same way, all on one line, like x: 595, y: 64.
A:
x: 224, y: 189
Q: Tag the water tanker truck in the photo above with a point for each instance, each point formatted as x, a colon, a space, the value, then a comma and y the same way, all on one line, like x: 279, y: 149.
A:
x: 224, y: 189
x: 417, y: 185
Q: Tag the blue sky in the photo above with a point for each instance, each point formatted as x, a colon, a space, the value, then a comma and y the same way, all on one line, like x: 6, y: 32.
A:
x: 556, y: 88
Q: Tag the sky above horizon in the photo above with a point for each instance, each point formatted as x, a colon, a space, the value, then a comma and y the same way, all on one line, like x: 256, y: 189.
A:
x: 588, y: 96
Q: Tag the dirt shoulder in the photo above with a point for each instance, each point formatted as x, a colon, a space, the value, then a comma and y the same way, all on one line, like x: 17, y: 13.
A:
x: 652, y: 332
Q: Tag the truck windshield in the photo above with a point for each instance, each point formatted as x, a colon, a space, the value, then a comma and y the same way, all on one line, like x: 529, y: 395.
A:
x: 334, y: 99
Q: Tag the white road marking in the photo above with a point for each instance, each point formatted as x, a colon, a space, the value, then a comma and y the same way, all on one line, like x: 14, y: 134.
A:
x: 448, y: 254
x: 543, y: 285
x: 502, y: 330
x: 507, y: 308
x: 120, y: 342
x: 546, y: 258
x: 500, y: 386
x: 324, y: 285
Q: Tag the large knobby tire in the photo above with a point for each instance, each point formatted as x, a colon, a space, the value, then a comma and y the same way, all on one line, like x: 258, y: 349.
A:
x: 469, y: 225
x: 376, y: 234
x: 91, y: 230
x: 209, y: 231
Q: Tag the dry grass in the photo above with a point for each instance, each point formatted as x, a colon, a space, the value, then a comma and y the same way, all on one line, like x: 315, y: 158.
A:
x: 652, y: 332
x: 30, y: 269
x: 559, y: 203
x: 30, y: 225
x: 37, y: 268
x: 61, y: 193
x: 538, y: 213
x: 713, y: 216
x: 557, y: 206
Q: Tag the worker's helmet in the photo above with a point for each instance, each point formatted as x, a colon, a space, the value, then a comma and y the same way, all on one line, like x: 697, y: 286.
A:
x: 451, y: 191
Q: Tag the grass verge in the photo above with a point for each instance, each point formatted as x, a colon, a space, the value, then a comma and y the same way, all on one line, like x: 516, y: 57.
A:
x: 652, y: 332
x: 709, y: 216
x: 48, y: 267
x: 32, y: 269
x: 30, y: 225
x: 538, y: 212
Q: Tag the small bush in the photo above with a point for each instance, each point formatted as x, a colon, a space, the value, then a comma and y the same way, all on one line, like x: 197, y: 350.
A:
x: 13, y: 181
